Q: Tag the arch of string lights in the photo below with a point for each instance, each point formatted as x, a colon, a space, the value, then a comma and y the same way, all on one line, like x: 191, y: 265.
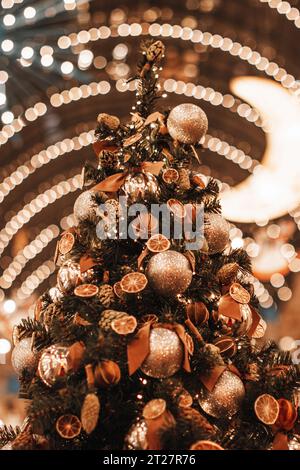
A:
x: 245, y: 53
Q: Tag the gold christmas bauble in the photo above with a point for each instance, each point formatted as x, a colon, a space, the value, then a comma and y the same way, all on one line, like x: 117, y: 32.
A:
x: 226, y: 397
x: 68, y: 276
x: 166, y: 354
x: 141, y: 187
x: 24, y: 357
x: 187, y: 123
x: 54, y: 364
x: 86, y: 205
x: 216, y: 233
x: 136, y: 438
x: 169, y: 273
x: 239, y: 327
x: 55, y: 294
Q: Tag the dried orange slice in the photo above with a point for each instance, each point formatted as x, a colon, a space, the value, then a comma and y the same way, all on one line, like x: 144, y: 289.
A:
x: 260, y: 330
x: 266, y: 408
x: 125, y: 325
x: 158, y: 243
x: 133, y: 282
x: 170, y: 175
x: 86, y: 290
x: 66, y: 243
x: 154, y: 408
x: 287, y: 415
x: 150, y: 317
x: 68, y: 426
x: 206, y: 445
x: 239, y: 293
x: 177, y: 208
x: 118, y: 290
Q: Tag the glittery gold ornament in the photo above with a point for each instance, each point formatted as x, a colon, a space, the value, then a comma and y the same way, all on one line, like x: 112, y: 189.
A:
x: 68, y: 276
x: 54, y: 363
x: 136, y: 438
x: 294, y: 442
x: 226, y: 397
x: 109, y: 121
x: 155, y: 52
x: 86, y: 205
x: 24, y: 357
x: 141, y: 187
x: 216, y: 233
x: 169, y: 273
x: 166, y: 354
x: 55, y: 294
x: 187, y: 123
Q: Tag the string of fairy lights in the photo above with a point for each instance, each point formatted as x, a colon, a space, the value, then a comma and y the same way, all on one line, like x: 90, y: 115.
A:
x: 199, y: 92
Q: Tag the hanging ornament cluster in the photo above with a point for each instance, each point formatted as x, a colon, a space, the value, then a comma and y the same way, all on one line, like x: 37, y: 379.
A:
x: 169, y: 273
x: 187, y: 123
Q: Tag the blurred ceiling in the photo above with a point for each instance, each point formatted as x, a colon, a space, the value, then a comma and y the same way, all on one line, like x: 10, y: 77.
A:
x: 67, y: 61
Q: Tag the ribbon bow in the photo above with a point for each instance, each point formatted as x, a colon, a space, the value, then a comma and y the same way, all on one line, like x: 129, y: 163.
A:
x: 112, y: 183
x: 139, y: 348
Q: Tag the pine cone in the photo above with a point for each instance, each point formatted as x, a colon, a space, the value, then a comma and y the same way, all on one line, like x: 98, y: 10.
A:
x: 184, y: 180
x: 109, y: 121
x: 106, y: 295
x: 90, y: 412
x: 108, y: 160
x: 107, y: 316
x: 53, y: 310
x: 197, y: 418
x: 24, y: 440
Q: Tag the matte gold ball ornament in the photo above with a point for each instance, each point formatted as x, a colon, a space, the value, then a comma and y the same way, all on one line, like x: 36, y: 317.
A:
x: 187, y: 123
x: 166, y: 354
x: 141, y: 187
x: 169, y: 273
x: 226, y: 397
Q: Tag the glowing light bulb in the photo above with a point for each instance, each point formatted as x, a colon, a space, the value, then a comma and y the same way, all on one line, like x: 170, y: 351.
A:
x: 7, y: 45
x: 27, y: 52
x: 5, y: 346
x: 29, y: 13
x: 9, y: 20
x: 9, y: 306
x: 7, y: 117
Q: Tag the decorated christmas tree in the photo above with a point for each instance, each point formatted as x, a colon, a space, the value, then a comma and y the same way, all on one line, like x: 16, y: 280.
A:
x: 151, y: 338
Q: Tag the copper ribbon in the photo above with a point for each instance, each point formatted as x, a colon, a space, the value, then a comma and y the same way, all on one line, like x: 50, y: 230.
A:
x: 156, y: 426
x: 138, y: 349
x: 113, y: 183
x: 209, y: 381
x: 280, y: 442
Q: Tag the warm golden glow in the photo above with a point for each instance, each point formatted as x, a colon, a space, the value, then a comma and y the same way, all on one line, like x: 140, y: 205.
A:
x: 273, y: 190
